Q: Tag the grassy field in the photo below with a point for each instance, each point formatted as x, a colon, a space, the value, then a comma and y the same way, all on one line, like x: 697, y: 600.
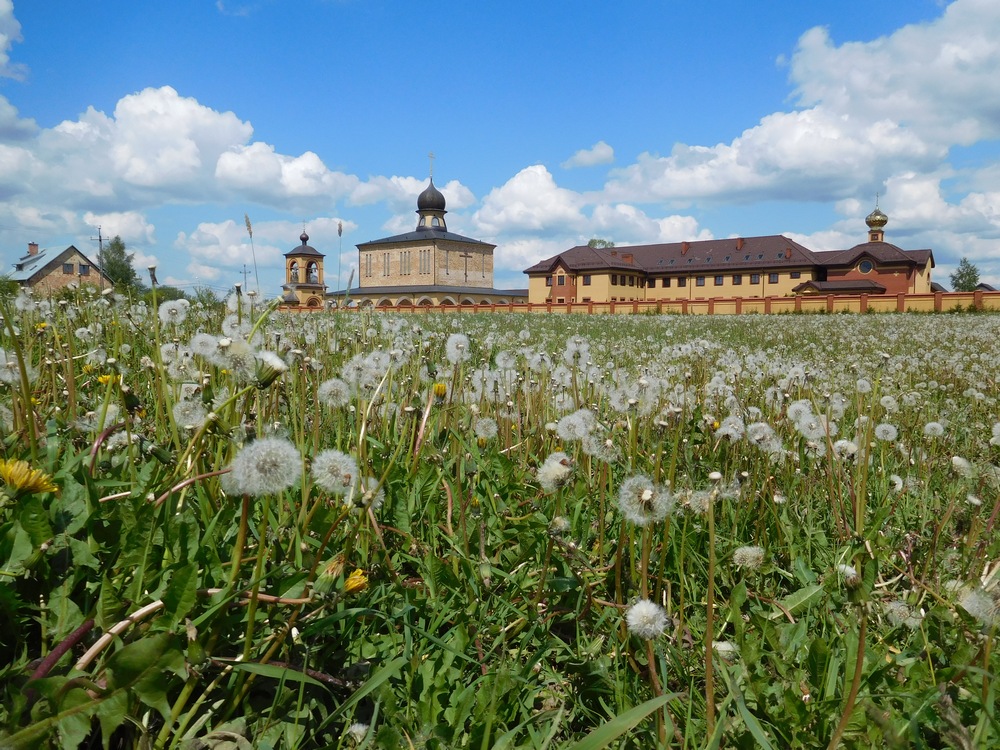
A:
x: 236, y: 528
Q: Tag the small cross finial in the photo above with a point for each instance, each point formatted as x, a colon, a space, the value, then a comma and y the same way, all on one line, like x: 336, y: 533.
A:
x: 431, y: 157
x: 876, y: 200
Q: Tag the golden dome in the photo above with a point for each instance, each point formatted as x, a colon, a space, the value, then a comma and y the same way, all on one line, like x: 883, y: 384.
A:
x: 876, y: 219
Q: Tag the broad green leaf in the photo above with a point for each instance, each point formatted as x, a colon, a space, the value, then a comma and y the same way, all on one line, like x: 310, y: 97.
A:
x: 35, y: 520
x: 607, y: 733
x: 799, y: 601
x: 181, y: 594
x: 144, y: 666
x: 64, y: 615
x: 274, y: 672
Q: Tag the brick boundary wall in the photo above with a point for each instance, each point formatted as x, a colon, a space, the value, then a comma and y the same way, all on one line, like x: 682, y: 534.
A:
x: 820, y: 303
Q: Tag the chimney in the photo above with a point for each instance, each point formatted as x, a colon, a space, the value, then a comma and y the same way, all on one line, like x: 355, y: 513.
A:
x: 739, y: 243
x: 32, y: 248
x: 628, y: 258
x: 614, y: 253
x: 685, y: 246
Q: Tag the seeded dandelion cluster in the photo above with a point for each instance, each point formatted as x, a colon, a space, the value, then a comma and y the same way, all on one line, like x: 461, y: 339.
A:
x: 265, y: 467
x: 646, y: 619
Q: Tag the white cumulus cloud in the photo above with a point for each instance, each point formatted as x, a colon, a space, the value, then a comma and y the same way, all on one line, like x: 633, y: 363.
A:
x: 599, y: 153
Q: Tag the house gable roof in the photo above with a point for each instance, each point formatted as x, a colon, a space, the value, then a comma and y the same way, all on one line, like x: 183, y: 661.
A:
x: 29, y: 268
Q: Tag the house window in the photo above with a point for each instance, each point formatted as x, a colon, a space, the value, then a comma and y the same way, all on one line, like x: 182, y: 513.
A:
x: 866, y: 266
x: 548, y: 281
x: 368, y: 264
x: 666, y: 282
x: 586, y: 280
x: 586, y: 299
x: 755, y: 278
x: 84, y: 269
x: 682, y: 281
x: 68, y: 268
x: 385, y: 264
x: 614, y: 279
x: 718, y: 281
x: 699, y: 281
x: 796, y: 274
x: 737, y: 279
x: 772, y: 278
x: 631, y: 280
x: 561, y: 280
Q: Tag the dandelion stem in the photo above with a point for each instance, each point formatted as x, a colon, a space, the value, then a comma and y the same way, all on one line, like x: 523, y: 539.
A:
x: 852, y: 696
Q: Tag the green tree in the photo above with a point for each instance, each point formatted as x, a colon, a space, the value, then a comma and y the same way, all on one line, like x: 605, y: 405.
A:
x: 966, y: 277
x: 598, y: 242
x: 116, y: 262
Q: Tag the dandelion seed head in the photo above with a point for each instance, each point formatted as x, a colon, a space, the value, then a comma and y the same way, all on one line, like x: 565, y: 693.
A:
x: 749, y: 557
x: 555, y: 471
x: 266, y: 466
x: 642, y: 502
x: 933, y: 429
x: 886, y: 432
x: 334, y: 471
x: 646, y: 619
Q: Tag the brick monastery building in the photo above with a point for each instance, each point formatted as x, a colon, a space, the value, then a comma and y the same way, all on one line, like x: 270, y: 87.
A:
x: 428, y: 266
x: 746, y: 267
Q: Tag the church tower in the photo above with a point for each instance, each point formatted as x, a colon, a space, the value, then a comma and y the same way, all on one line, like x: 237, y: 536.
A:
x: 304, y: 285
x: 876, y: 222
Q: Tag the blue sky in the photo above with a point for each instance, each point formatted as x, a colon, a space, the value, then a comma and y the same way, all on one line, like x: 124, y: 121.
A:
x: 551, y: 122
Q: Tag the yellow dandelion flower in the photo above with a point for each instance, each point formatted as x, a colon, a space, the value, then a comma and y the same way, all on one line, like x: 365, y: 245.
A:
x: 41, y: 326
x: 110, y: 378
x: 440, y: 390
x: 356, y: 582
x: 21, y: 478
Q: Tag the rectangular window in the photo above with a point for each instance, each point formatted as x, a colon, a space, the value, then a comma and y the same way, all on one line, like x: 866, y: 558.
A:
x: 68, y: 268
x: 385, y: 264
x: 699, y: 281
x: 666, y: 282
x: 718, y: 281
x: 755, y: 278
x: 614, y: 279
x: 368, y: 264
x: 84, y: 269
x: 796, y: 274
x: 586, y: 299
x: 548, y: 281
x: 682, y: 281
x: 737, y: 279
x: 562, y: 280
x: 631, y: 280
x: 586, y: 280
x: 772, y: 278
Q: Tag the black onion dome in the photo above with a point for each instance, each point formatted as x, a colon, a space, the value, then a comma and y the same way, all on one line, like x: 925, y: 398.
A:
x: 431, y: 199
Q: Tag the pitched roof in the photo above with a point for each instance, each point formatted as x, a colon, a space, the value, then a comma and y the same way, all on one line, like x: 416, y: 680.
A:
x: 703, y: 255
x: 841, y: 285
x: 884, y: 253
x: 425, y: 234
x: 28, y: 267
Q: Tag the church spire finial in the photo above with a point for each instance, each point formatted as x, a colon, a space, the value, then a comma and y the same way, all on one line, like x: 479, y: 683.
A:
x: 430, y: 156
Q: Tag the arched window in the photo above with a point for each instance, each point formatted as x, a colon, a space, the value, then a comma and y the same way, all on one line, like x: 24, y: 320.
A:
x: 293, y: 271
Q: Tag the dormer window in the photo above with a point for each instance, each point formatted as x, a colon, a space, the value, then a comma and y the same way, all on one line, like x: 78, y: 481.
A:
x: 866, y: 266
